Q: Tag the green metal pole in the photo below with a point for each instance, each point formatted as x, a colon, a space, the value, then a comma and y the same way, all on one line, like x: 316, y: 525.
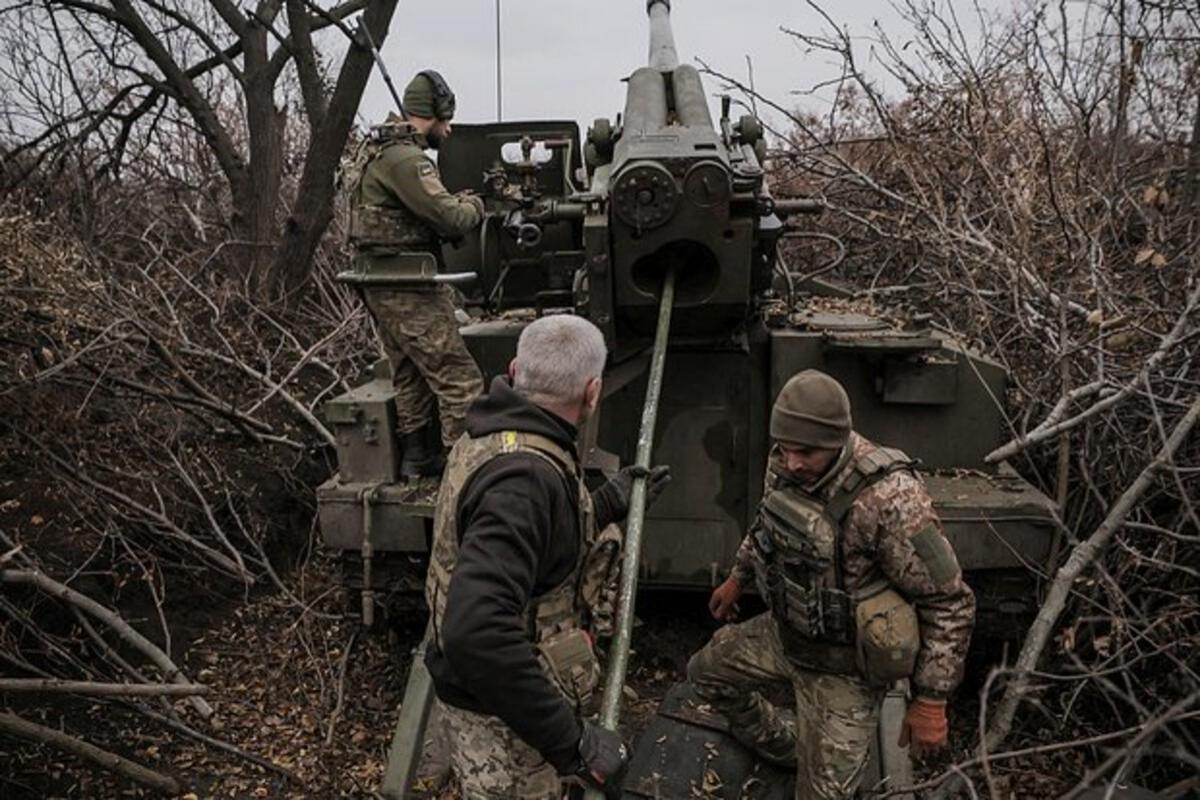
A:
x: 618, y: 660
x: 404, y: 755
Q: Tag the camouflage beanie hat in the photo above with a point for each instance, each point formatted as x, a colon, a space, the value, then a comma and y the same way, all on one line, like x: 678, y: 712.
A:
x: 812, y: 410
x: 428, y: 95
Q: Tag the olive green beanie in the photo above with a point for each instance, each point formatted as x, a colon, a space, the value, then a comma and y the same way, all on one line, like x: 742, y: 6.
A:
x: 812, y: 410
x: 429, y: 97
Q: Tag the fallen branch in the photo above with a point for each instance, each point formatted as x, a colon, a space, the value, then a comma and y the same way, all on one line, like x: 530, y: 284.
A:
x: 305, y: 358
x: 1049, y: 430
x: 220, y: 744
x: 101, y: 689
x: 341, y: 690
x: 1082, y: 556
x: 958, y: 769
x: 160, y: 520
x: 273, y: 386
x: 12, y: 724
x: 160, y: 659
x: 1148, y: 730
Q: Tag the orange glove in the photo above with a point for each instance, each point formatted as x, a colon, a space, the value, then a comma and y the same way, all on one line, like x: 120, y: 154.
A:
x: 924, y: 728
x: 723, y: 603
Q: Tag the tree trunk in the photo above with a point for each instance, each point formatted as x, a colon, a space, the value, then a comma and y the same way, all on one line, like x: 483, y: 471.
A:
x: 1192, y: 177
x: 313, y: 208
x: 264, y: 124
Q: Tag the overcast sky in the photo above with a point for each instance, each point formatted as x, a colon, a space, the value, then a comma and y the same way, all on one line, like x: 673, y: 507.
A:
x: 564, y: 59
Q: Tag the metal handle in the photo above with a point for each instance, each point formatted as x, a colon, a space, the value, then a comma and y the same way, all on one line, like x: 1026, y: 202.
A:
x: 360, y: 279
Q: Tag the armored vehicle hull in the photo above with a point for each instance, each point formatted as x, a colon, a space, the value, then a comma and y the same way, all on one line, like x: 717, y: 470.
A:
x: 921, y: 392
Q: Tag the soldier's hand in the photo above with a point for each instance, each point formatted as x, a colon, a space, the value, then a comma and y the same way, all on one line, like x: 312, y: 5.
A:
x: 473, y: 199
x: 723, y: 603
x: 657, y: 479
x: 603, y: 760
x: 925, y: 728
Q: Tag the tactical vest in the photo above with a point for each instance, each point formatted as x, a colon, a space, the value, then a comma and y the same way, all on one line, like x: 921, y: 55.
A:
x: 556, y: 619
x: 381, y: 232
x: 799, y: 538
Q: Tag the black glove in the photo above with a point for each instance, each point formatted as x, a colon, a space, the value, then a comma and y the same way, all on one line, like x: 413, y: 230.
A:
x: 620, y: 488
x: 603, y: 760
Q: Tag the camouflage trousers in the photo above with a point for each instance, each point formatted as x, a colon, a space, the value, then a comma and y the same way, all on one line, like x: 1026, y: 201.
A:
x: 489, y: 761
x: 429, y: 358
x: 433, y: 769
x: 836, y: 715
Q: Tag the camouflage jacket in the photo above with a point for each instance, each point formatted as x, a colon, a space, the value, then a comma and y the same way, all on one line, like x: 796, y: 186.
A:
x: 892, y: 532
x: 396, y: 189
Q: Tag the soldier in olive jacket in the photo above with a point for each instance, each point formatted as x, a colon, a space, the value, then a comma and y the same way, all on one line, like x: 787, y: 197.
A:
x: 400, y: 215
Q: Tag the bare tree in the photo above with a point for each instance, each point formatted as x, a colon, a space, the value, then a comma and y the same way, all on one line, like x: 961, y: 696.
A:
x: 94, y: 84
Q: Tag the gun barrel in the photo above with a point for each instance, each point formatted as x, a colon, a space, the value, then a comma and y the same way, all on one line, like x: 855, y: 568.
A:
x: 662, y: 41
x: 645, y: 100
x: 691, y: 106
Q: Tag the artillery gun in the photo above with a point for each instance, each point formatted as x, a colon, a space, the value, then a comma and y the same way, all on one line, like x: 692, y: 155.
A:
x: 663, y: 212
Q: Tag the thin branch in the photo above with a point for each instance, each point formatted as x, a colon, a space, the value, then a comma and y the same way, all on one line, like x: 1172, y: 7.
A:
x: 97, y: 689
x: 14, y: 725
x: 110, y: 618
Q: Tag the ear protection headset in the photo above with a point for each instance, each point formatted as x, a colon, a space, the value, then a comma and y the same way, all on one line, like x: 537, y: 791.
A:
x: 443, y: 97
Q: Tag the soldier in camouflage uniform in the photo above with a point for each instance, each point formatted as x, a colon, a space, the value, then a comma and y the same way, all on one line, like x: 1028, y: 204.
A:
x: 521, y: 554
x: 847, y: 551
x: 400, y: 214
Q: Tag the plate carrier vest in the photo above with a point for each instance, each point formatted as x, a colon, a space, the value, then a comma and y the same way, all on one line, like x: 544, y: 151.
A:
x: 556, y: 620
x: 823, y: 624
x: 389, y: 240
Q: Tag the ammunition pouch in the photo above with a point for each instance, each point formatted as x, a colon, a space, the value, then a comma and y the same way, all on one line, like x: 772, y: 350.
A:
x: 817, y: 613
x: 380, y: 227
x: 799, y: 553
x: 598, y: 580
x: 888, y: 638
x: 877, y: 637
x: 567, y: 657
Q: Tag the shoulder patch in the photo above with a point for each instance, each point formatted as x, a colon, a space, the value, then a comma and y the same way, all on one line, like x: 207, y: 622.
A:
x: 430, y: 180
x: 935, y: 552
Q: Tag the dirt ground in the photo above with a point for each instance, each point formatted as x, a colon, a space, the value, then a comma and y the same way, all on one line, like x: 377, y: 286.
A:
x: 294, y: 686
x: 306, y: 702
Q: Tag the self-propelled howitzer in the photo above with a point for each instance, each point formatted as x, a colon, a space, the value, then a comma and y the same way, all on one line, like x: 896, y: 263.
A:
x: 682, y: 195
x: 664, y: 187
x: 591, y: 225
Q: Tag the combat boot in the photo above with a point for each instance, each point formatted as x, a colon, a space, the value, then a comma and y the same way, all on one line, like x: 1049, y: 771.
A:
x: 422, y: 455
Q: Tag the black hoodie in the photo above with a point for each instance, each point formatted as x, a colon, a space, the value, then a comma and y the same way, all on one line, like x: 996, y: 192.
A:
x: 518, y: 538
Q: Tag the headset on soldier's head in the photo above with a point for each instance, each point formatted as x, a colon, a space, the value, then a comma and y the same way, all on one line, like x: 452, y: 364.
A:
x: 443, y: 97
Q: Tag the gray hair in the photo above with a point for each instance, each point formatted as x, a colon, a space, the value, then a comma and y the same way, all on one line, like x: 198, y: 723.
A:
x: 556, y: 358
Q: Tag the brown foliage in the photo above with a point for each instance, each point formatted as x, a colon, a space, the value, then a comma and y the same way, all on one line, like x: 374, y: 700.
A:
x: 159, y: 435
x: 1035, y: 195
x: 92, y: 88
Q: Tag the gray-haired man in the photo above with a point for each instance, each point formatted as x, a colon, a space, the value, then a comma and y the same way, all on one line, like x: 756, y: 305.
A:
x: 517, y: 539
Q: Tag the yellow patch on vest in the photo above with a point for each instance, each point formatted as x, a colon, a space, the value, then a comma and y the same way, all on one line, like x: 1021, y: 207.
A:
x: 508, y: 441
